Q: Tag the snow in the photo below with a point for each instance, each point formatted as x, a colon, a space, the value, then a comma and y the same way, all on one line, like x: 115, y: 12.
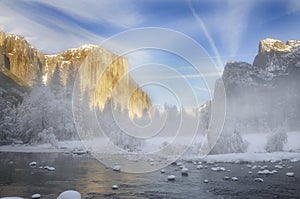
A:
x: 258, y: 180
x: 278, y: 166
x: 70, y: 194
x: 234, y: 179
x: 32, y: 164
x: 117, y: 168
x: 115, y: 187
x: 218, y: 169
x: 11, y: 198
x: 290, y: 174
x: 171, y: 177
x: 269, y: 44
x: 36, y: 196
x: 266, y: 172
x: 51, y: 169
x: 294, y: 160
x: 256, y: 151
x: 184, y: 171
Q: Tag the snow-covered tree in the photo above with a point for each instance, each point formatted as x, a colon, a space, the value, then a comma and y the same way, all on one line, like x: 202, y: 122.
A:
x: 41, y: 110
x: 276, y: 140
x: 56, y: 82
x: 7, y: 117
x: 47, y: 136
x: 230, y: 143
x: 33, y: 113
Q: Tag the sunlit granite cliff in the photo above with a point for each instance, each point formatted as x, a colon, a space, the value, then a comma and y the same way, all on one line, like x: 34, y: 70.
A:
x: 101, y: 73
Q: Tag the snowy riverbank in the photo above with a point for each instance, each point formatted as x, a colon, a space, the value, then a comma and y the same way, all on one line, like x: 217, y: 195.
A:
x: 255, y: 151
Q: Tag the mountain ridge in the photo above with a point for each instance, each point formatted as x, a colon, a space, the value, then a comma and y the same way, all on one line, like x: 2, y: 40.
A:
x: 25, y: 62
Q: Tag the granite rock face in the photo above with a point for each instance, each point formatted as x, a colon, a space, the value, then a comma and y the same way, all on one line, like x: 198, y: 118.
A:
x: 264, y: 95
x: 100, y: 73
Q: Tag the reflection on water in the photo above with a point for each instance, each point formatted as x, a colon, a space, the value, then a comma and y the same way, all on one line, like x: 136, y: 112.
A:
x: 71, y: 172
x: 93, y: 180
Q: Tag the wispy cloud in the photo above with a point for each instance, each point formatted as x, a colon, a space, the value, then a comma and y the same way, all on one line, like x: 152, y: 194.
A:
x: 53, y: 25
x: 207, y: 34
x: 226, y: 23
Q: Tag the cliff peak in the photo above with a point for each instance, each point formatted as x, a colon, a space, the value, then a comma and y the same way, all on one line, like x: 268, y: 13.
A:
x: 268, y: 45
x: 25, y: 62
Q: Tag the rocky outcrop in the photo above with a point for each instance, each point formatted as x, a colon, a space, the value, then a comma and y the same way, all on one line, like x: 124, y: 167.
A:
x: 102, y: 74
x: 266, y: 94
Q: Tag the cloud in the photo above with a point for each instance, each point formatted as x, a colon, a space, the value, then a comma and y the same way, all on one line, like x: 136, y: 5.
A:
x: 225, y: 22
x: 120, y: 13
x: 207, y: 34
x: 233, y: 23
x: 294, y: 5
x: 53, y: 26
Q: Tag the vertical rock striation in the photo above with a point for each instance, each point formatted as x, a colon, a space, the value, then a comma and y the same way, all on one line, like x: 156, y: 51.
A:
x: 101, y: 73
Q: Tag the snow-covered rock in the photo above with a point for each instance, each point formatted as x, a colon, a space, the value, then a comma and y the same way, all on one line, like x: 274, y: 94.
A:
x: 36, y: 196
x: 50, y: 168
x: 69, y: 194
x: 290, y: 174
x: 32, y: 164
x: 218, y: 169
x: 250, y: 172
x: 294, y: 160
x: 200, y: 167
x: 226, y: 178
x: 258, y: 180
x: 115, y: 187
x: 184, y: 171
x: 171, y: 177
x: 79, y: 151
x: 11, y: 198
x: 117, y: 168
x: 162, y: 171
x: 278, y: 166
x: 234, y: 179
x: 205, y: 181
x: 265, y: 172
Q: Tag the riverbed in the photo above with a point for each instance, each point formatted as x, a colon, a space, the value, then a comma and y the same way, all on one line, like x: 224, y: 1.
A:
x: 93, y: 180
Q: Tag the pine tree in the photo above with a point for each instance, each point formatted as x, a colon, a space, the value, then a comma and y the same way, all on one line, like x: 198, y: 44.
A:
x: 55, y: 82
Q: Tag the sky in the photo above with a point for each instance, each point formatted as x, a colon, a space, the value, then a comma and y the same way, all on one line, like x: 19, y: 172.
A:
x: 225, y: 29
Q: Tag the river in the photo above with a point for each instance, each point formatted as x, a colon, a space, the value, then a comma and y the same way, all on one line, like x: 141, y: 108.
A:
x: 93, y: 180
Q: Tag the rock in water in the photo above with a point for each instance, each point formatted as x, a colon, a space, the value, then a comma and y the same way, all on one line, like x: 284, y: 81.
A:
x: 234, y: 179
x: 184, y: 171
x: 69, y: 194
x: 171, y: 177
x: 290, y: 174
x: 115, y: 187
x: 258, y: 180
x: 32, y: 164
x: 36, y: 196
x: 117, y: 168
x: 50, y: 168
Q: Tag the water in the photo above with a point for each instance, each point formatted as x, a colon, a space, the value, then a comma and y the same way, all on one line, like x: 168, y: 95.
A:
x: 93, y: 180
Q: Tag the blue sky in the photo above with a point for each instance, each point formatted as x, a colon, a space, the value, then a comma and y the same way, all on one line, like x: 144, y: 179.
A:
x: 226, y: 29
